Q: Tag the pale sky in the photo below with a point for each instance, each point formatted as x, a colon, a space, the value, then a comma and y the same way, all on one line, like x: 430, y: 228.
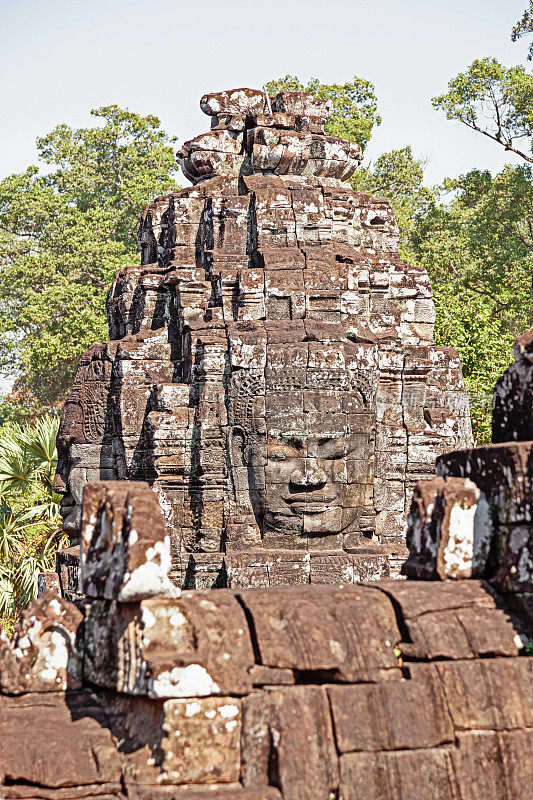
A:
x: 60, y: 58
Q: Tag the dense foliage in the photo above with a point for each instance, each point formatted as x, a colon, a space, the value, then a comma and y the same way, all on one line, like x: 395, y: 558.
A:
x: 476, y: 242
x: 29, y: 511
x: 64, y: 230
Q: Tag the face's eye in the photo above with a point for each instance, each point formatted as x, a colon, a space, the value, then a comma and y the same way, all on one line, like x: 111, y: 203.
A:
x: 330, y: 448
x: 282, y: 451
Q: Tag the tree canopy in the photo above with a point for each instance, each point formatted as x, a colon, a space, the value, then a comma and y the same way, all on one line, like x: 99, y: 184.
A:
x: 475, y: 240
x: 523, y: 27
x: 495, y: 101
x: 65, y: 228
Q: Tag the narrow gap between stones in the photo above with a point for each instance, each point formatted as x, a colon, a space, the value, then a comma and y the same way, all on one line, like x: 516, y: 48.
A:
x: 251, y: 627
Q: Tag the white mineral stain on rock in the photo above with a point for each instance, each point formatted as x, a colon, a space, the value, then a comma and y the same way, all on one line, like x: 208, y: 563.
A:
x: 458, y: 553
x: 337, y: 650
x: 133, y: 538
x: 55, y: 606
x: 151, y: 578
x: 192, y: 708
x: 147, y: 617
x: 190, y: 681
x: 228, y: 711
x: 55, y: 657
x: 177, y: 619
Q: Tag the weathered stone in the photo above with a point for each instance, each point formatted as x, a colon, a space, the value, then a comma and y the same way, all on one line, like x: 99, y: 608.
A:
x: 57, y: 740
x: 193, y: 646
x: 503, y: 473
x: 452, y: 621
x: 288, y: 741
x: 400, y: 715
x: 235, y: 101
x: 449, y: 530
x: 45, y: 653
x: 495, y: 765
x: 202, y: 741
x: 513, y: 396
x: 272, y: 379
x: 229, y: 791
x: 407, y: 775
x: 348, y: 634
x: 125, y: 547
x: 490, y: 694
x: 271, y: 373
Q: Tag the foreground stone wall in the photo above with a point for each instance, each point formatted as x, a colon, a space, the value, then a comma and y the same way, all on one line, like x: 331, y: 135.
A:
x: 270, y: 369
x: 323, y: 708
x: 385, y: 691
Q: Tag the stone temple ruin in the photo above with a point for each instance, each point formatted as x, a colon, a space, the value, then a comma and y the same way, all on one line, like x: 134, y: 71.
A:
x: 270, y: 370
x: 417, y: 689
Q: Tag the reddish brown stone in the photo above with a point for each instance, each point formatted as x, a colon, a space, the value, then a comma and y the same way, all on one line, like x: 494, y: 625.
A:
x: 45, y: 654
x: 201, y: 742
x: 192, y: 646
x: 125, y: 547
x: 267, y: 306
x: 349, y: 633
x: 288, y: 742
x: 495, y: 765
x: 399, y: 715
x: 57, y: 740
x: 407, y: 775
x: 491, y: 693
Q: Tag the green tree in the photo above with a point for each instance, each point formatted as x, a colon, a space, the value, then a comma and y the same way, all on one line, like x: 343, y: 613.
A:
x: 64, y: 231
x: 397, y: 177
x: 354, y: 105
x: 476, y: 241
x: 523, y: 27
x: 495, y: 101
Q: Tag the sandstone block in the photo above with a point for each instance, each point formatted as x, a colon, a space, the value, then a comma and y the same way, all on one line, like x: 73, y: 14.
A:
x: 193, y: 646
x: 288, y: 734
x: 45, y: 654
x: 350, y: 633
x: 202, y: 740
x: 125, y: 547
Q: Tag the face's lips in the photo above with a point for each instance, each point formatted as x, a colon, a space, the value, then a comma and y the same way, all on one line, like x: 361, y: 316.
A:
x: 311, y: 504
x: 309, y: 497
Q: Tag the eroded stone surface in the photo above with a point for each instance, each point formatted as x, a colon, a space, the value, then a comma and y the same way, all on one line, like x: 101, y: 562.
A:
x: 394, y: 690
x: 449, y: 530
x: 125, y: 547
x: 270, y: 370
x: 193, y: 646
x: 45, y: 653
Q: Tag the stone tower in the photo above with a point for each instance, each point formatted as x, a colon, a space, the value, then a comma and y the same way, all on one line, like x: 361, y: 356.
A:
x: 270, y: 369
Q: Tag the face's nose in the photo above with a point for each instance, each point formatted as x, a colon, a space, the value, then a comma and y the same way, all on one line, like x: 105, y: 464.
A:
x: 309, y: 474
x: 60, y: 482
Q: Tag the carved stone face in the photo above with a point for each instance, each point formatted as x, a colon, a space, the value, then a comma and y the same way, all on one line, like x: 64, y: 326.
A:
x: 68, y: 481
x: 82, y: 456
x: 304, y: 480
x: 309, y: 474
